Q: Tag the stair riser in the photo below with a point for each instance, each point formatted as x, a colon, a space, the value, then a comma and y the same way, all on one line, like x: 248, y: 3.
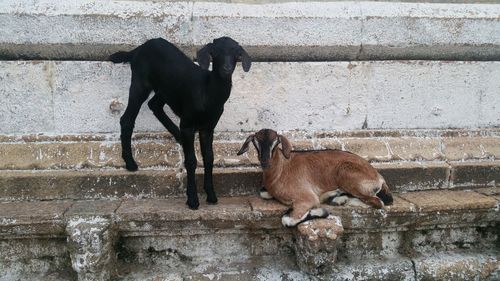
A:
x: 115, y: 184
x: 35, y: 258
x: 188, y: 255
x: 390, y: 244
x: 159, y: 150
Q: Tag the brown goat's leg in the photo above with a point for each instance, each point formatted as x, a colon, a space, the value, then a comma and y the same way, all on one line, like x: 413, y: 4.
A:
x: 206, y: 140
x: 372, y: 201
x: 264, y: 194
x: 306, y: 209
x: 296, y: 215
x: 385, y: 194
x: 302, y: 213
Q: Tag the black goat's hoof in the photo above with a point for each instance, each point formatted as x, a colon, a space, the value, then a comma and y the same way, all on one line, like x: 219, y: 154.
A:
x: 193, y: 205
x: 132, y: 167
x: 212, y: 201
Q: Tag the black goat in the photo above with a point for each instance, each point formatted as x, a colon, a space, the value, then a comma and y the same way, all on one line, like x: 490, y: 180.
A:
x: 193, y: 93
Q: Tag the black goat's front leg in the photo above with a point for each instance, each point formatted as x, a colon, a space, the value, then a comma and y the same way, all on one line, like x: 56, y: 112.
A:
x: 156, y: 105
x: 187, y: 139
x: 206, y: 141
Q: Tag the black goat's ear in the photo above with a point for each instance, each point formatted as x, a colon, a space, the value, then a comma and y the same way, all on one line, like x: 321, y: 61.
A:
x: 203, y: 56
x: 244, y: 147
x: 286, y: 147
x: 246, y: 61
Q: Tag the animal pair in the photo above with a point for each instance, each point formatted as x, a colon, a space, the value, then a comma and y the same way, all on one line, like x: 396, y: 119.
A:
x: 194, y: 93
x: 305, y: 179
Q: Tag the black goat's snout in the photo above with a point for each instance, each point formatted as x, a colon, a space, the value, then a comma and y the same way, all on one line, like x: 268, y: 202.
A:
x: 227, y: 70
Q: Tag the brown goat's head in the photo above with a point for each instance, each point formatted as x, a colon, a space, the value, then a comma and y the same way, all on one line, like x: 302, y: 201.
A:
x: 265, y: 142
x: 225, y: 52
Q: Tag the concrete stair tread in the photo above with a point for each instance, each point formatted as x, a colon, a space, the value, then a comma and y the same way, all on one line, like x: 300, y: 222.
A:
x: 415, y: 209
x: 161, y: 182
x: 162, y: 238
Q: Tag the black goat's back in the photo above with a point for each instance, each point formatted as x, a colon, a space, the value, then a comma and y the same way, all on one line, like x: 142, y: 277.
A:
x: 163, y: 66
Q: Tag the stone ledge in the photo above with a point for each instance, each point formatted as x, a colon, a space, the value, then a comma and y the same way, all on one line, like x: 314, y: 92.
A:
x: 153, y: 150
x: 89, y: 30
x: 170, y: 183
x: 409, y: 211
x: 32, y: 219
x: 152, y: 230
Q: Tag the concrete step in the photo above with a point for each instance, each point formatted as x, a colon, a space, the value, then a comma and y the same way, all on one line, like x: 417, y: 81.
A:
x: 41, y: 167
x: 155, y: 237
x: 159, y: 150
x: 74, y: 97
x: 167, y: 183
x: 284, y: 31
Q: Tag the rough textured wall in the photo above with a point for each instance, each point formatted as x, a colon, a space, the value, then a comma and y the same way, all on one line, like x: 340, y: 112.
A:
x: 89, y: 97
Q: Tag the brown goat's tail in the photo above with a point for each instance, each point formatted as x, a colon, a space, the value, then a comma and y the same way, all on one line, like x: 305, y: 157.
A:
x: 385, y: 194
x: 121, y: 56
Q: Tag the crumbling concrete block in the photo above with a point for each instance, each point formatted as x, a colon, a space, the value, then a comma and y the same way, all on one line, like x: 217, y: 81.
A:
x: 316, y: 244
x: 90, y: 243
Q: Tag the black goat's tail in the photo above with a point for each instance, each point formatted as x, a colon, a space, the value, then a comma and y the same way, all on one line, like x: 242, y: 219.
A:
x: 121, y: 56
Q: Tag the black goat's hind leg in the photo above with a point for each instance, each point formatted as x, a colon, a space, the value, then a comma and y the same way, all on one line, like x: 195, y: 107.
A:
x: 137, y: 96
x: 206, y: 140
x: 156, y: 105
x: 190, y: 164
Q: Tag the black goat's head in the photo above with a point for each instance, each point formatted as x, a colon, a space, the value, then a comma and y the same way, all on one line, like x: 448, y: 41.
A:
x: 266, y: 141
x: 224, y: 52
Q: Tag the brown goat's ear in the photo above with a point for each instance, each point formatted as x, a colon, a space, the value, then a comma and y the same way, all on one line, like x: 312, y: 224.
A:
x: 286, y: 147
x: 246, y: 62
x: 244, y: 147
x: 203, y: 56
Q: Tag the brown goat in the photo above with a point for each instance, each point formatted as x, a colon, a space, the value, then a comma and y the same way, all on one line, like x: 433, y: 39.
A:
x: 305, y: 179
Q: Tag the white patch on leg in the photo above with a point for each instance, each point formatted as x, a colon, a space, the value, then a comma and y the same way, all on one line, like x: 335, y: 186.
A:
x: 265, y: 195
x: 355, y: 202
x: 339, y: 200
x: 318, y: 212
x: 329, y: 194
x: 288, y: 221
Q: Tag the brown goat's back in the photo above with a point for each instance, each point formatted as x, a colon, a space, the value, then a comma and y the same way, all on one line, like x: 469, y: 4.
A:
x: 330, y: 169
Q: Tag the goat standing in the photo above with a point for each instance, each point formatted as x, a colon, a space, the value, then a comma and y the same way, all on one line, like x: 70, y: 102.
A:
x: 193, y: 93
x: 304, y: 179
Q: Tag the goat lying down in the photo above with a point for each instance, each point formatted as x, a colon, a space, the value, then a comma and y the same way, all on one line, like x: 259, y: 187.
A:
x: 305, y: 179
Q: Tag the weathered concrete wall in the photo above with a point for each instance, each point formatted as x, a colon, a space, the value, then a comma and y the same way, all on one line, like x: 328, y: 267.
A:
x: 89, y: 97
x: 160, y: 236
x: 89, y: 29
